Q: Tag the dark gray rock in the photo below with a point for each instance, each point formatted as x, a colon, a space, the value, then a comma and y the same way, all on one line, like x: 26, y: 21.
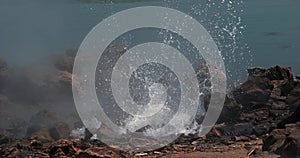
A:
x: 298, y: 77
x: 231, y: 111
x: 255, y: 91
x: 285, y: 142
x: 293, y: 99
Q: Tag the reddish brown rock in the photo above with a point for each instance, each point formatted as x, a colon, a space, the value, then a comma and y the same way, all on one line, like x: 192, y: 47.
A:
x: 64, y: 148
x: 257, y: 72
x: 98, y: 152
x: 285, y: 142
x: 293, y: 99
x: 295, y: 117
x: 273, y: 73
x: 275, y: 140
x: 231, y: 111
x: 280, y: 73
x: 254, y: 92
x: 264, y: 87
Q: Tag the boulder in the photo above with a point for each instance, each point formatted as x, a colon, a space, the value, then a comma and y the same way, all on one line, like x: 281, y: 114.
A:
x: 265, y: 85
x: 293, y: 99
x: 63, y: 148
x: 254, y: 93
x: 285, y: 142
x: 295, y: 117
x: 280, y: 73
x: 273, y: 73
x: 98, y: 152
x: 231, y: 111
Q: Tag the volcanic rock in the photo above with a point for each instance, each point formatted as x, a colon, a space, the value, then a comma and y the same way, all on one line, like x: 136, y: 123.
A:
x: 254, y: 93
x: 274, y: 83
x: 285, y: 142
x: 295, y: 117
x: 63, y: 148
x: 98, y: 152
x: 280, y: 73
x: 293, y: 99
x: 298, y: 77
x: 231, y: 111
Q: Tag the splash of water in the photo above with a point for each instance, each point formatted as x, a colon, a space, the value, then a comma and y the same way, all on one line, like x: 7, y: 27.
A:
x: 223, y: 21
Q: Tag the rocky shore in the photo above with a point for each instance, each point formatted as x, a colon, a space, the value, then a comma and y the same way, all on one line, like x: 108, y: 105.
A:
x: 260, y: 118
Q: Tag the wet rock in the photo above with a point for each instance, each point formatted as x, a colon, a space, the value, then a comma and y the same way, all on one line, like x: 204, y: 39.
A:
x: 282, y: 87
x: 254, y: 93
x: 280, y: 73
x: 285, y: 142
x: 144, y: 129
x: 231, y: 111
x: 298, y: 77
x: 256, y: 115
x: 241, y: 138
x: 279, y: 105
x: 36, y: 144
x: 63, y: 148
x: 278, y: 115
x: 295, y: 117
x: 257, y: 72
x: 273, y: 73
x: 264, y: 97
x: 239, y: 129
x: 275, y: 140
x: 282, y: 78
x: 293, y: 99
x: 264, y: 84
x: 264, y: 128
x: 291, y: 146
x: 98, y: 152
x: 87, y: 134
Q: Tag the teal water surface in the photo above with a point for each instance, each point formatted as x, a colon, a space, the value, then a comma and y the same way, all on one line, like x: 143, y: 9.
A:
x: 31, y: 30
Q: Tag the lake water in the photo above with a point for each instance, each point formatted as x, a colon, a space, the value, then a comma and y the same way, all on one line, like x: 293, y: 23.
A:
x: 33, y: 29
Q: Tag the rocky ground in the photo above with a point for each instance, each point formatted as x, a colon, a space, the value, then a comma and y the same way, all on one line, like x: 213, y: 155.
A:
x: 261, y: 117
